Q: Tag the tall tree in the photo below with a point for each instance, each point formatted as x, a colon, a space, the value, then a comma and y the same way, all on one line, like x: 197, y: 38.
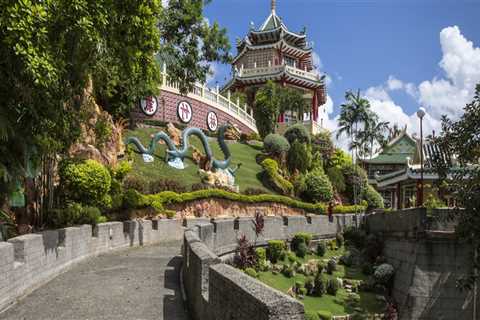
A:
x: 266, y: 108
x: 462, y: 139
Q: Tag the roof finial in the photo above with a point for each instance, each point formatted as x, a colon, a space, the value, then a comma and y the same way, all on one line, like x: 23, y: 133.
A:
x: 274, y: 4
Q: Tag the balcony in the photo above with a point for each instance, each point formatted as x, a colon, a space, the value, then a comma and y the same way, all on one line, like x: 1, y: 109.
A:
x: 277, y: 69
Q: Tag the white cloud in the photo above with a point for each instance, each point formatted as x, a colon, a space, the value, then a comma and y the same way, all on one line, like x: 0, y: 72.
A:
x: 461, y: 64
x: 378, y: 93
x: 394, y: 84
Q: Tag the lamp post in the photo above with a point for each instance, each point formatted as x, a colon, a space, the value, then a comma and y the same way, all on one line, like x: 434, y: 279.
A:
x: 420, y: 114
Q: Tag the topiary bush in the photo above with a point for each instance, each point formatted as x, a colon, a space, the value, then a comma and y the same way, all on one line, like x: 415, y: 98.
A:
x: 310, y: 285
x: 373, y: 198
x: 301, y: 250
x: 299, y: 157
x: 251, y: 272
x: 298, y: 133
x: 319, y: 285
x: 273, y: 179
x: 301, y: 237
x: 325, y: 315
x: 87, y: 182
x: 121, y: 170
x: 321, y: 248
x: 331, y: 266
x: 384, y: 274
x: 74, y: 214
x: 332, y: 286
x: 276, y: 144
x: 317, y: 187
x: 275, y: 250
x: 311, y: 315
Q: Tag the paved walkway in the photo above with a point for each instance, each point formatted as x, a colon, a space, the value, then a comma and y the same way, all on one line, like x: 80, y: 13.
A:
x: 135, y: 283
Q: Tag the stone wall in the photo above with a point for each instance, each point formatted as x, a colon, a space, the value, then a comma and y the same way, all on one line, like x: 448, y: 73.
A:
x: 217, y: 291
x: 428, y: 261
x: 28, y: 261
x: 215, y: 208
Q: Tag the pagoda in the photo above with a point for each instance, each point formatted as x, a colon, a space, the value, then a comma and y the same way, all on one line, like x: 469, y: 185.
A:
x: 274, y: 53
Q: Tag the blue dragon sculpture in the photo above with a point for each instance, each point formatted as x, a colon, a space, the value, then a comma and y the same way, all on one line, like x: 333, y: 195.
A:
x: 175, y: 157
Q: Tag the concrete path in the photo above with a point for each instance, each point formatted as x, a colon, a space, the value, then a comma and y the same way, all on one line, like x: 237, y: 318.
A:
x: 135, y: 283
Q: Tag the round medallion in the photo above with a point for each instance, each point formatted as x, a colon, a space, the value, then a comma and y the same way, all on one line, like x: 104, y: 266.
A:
x: 149, y: 105
x: 212, y: 121
x: 184, y: 111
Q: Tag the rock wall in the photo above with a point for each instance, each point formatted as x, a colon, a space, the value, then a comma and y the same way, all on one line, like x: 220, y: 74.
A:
x: 428, y: 261
x: 217, y: 291
x: 217, y: 208
x: 28, y: 261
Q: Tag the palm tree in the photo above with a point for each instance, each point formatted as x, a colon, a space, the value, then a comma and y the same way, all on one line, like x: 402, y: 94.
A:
x: 374, y: 133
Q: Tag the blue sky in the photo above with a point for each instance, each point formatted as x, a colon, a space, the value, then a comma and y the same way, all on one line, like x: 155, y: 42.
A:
x: 361, y: 43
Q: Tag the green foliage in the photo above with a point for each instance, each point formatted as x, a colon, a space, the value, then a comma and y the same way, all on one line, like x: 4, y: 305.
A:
x: 261, y: 254
x: 297, y: 133
x: 346, y: 260
x: 266, y: 108
x: 275, y: 250
x: 321, y: 248
x: 317, y: 187
x: 288, y: 271
x: 355, y: 180
x: 323, y: 144
x: 251, y: 272
x: 311, y: 315
x: 168, y: 197
x: 7, y: 226
x: 349, y: 209
x: 301, y: 250
x: 332, y: 286
x: 339, y: 239
x: 335, y: 176
x: 103, y: 131
x: 160, y: 185
x: 74, y: 214
x: 433, y: 202
x: 310, y: 285
x: 373, y: 198
x: 274, y: 179
x: 320, y: 285
x: 299, y: 157
x: 132, y: 199
x: 87, y: 182
x: 301, y: 237
x: 276, y: 144
x: 340, y: 159
x: 384, y: 274
x: 137, y: 183
x: 121, y: 170
x: 324, y: 315
x: 331, y: 266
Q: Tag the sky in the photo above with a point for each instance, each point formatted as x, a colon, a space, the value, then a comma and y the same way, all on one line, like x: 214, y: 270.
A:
x: 401, y: 54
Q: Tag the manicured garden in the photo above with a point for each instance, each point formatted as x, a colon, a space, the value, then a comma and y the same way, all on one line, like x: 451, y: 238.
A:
x: 330, y: 277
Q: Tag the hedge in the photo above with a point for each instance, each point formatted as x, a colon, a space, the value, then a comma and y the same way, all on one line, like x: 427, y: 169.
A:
x: 169, y: 198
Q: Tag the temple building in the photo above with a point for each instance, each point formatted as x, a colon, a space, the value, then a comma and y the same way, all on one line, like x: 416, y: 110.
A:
x: 272, y: 52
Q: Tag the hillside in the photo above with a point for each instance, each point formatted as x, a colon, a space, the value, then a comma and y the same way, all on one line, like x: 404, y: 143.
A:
x: 246, y: 176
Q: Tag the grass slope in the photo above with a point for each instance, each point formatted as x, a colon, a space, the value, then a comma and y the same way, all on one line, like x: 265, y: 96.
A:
x: 246, y: 176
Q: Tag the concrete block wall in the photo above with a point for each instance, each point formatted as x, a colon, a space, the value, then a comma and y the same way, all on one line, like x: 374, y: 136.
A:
x: 217, y: 291
x: 28, y: 261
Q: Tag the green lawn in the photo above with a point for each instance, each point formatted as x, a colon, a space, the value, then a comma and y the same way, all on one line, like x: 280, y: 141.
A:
x: 333, y: 304
x: 246, y: 176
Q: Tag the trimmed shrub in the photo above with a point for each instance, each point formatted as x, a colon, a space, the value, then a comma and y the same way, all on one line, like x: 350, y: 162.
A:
x: 288, y: 271
x: 273, y: 179
x: 298, y: 133
x: 331, y: 266
x: 319, y: 285
x: 261, y: 254
x: 276, y: 144
x: 310, y: 285
x: 349, y: 209
x: 339, y: 239
x: 87, y: 182
x: 251, y: 272
x: 346, y: 260
x: 299, y: 238
x: 302, y: 250
x: 311, y: 315
x: 275, y: 249
x: 373, y: 198
x: 354, y: 176
x: 299, y: 157
x: 324, y: 315
x: 74, y: 214
x: 121, y: 170
x: 384, y: 274
x: 317, y: 187
x: 132, y: 199
x: 332, y: 286
x: 302, y: 292
x: 254, y: 191
x: 321, y: 248
x: 137, y: 183
x: 291, y: 257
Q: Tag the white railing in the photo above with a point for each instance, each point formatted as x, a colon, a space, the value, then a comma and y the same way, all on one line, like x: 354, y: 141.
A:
x: 214, y: 98
x: 277, y: 69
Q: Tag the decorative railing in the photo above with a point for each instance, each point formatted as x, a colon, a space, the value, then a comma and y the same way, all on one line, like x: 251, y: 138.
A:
x: 213, y: 97
x: 273, y: 69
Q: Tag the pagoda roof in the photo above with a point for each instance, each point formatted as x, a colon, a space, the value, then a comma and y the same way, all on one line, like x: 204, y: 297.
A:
x: 396, y: 151
x: 280, y: 44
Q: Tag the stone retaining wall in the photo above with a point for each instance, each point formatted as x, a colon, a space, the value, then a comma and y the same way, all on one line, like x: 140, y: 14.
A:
x: 428, y: 260
x: 217, y: 291
x: 28, y: 261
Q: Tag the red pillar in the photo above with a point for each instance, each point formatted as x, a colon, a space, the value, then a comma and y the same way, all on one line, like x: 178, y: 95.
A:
x: 315, y: 106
